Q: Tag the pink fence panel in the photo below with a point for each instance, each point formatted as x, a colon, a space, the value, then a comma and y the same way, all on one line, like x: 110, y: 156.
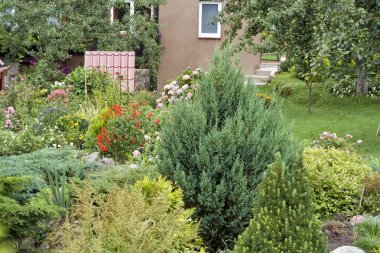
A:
x: 118, y: 64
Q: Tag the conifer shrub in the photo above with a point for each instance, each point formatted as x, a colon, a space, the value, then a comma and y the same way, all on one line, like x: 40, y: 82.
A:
x: 146, y: 217
x: 24, y: 217
x: 283, y: 216
x: 217, y: 146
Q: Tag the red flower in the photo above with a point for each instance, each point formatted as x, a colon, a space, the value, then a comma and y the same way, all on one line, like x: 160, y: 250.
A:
x: 103, y: 149
x: 138, y: 124
x: 133, y: 140
x: 156, y: 121
x: 134, y: 114
x: 150, y: 115
x: 103, y: 140
x: 117, y: 110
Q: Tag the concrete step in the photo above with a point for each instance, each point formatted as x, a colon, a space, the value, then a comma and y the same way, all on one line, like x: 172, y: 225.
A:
x: 269, y: 65
x: 264, y: 72
x: 259, y: 80
x: 255, y: 83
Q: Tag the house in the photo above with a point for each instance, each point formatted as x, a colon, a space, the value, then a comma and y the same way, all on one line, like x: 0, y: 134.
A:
x: 190, y: 37
x: 3, y: 73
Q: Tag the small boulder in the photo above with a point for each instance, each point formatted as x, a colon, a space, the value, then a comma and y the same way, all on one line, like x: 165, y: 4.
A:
x: 27, y: 243
x: 107, y: 161
x: 356, y: 219
x: 93, y: 157
x: 348, y: 249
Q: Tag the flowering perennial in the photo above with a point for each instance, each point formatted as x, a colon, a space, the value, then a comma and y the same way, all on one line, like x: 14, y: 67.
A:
x: 125, y: 130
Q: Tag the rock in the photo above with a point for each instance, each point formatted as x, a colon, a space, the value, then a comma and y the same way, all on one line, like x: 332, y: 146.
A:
x: 356, y: 219
x: 28, y: 243
x: 107, y: 162
x: 348, y: 249
x: 44, y: 246
x: 93, y: 157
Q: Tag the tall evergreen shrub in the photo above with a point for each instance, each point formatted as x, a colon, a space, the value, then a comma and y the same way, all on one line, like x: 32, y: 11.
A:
x: 283, y: 215
x: 217, y: 147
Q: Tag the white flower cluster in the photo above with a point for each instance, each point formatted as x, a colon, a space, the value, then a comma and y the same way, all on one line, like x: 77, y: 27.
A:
x: 327, y: 135
x: 173, y: 92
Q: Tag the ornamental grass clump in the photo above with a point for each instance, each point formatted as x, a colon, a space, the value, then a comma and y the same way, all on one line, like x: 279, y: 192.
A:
x: 217, y: 146
x: 283, y: 215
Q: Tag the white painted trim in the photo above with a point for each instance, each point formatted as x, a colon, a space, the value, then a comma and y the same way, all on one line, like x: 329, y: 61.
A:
x: 131, y: 10
x: 218, y: 34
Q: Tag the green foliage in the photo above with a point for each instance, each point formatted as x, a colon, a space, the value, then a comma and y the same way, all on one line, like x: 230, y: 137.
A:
x: 58, y: 193
x: 102, y: 181
x: 283, y: 215
x: 74, y: 127
x: 347, y: 87
x: 336, y: 179
x: 329, y: 140
x: 144, y: 97
x: 182, y: 88
x: 371, y: 193
x: 74, y: 26
x: 217, y: 147
x: 131, y: 220
x: 86, y: 80
x: 368, y: 233
x: 23, y: 218
x: 35, y: 164
x: 290, y: 24
x: 125, y: 129
x: 25, y: 141
x: 375, y: 164
x: 5, y: 246
x: 96, y: 124
x: 349, y: 38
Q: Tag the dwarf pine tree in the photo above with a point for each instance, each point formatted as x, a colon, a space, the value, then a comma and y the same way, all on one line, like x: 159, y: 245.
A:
x: 283, y: 216
x: 217, y: 147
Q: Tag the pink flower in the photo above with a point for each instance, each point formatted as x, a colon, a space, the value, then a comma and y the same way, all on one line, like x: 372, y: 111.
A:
x: 186, y: 77
x: 159, y: 105
x: 10, y: 110
x: 179, y: 91
x: 8, y: 123
x: 136, y: 153
x: 58, y: 93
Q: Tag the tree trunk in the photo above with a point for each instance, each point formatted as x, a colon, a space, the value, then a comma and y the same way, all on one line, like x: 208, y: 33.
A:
x: 361, y: 82
x: 310, y: 86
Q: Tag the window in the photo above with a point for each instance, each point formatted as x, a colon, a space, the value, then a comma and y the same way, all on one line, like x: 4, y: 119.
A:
x: 208, y: 26
x: 118, y: 12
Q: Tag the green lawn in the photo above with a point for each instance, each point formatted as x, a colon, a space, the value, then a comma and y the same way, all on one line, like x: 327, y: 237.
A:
x: 359, y: 117
x: 269, y: 57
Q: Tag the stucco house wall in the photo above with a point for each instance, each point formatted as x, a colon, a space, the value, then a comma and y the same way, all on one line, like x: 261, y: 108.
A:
x: 179, y: 20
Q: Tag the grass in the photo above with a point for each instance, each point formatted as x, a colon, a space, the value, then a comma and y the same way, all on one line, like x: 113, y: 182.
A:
x: 369, y: 234
x: 358, y: 116
x: 269, y: 57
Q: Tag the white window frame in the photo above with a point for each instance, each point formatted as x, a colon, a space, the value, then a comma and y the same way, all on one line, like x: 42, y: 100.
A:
x: 131, y: 10
x: 218, y: 34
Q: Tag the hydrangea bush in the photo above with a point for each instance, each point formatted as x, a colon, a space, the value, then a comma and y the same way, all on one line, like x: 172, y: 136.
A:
x: 182, y: 88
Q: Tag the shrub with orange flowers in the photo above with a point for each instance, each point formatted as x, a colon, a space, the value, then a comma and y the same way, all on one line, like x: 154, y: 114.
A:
x: 125, y: 128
